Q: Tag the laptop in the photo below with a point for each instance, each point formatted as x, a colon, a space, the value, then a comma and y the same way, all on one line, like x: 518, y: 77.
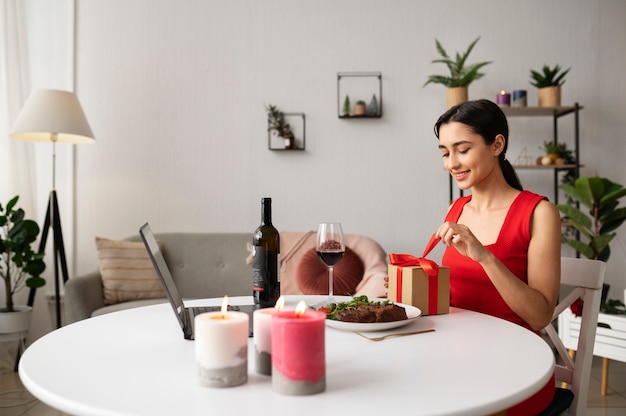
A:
x: 184, y: 315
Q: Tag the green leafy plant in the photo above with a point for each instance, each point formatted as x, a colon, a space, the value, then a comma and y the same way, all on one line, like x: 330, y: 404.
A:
x: 559, y: 150
x: 461, y: 74
x: 613, y: 307
x: 20, y: 266
x: 561, y: 155
x: 277, y: 122
x: 549, y: 77
x: 601, y: 197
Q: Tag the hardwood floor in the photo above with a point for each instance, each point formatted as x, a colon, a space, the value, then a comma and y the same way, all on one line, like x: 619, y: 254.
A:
x: 15, y: 401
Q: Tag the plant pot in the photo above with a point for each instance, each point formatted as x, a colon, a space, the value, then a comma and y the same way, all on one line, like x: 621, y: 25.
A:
x: 549, y: 96
x: 290, y: 142
x: 359, y: 110
x: 18, y: 321
x: 456, y: 95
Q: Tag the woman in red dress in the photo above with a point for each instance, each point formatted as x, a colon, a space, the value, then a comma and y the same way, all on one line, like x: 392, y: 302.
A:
x: 503, y: 243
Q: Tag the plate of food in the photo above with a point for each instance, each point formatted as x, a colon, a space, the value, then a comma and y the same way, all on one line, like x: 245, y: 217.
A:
x: 362, y: 314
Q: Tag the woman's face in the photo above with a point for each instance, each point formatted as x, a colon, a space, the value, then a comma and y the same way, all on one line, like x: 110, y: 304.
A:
x: 466, y: 155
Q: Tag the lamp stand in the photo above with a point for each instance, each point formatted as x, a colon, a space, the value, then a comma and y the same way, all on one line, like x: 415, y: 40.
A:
x: 53, y: 219
x: 53, y: 116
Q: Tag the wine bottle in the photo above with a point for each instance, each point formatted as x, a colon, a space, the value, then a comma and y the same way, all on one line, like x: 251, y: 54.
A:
x: 265, y: 263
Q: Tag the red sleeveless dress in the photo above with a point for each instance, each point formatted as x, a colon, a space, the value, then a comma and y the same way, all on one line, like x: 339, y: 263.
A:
x: 471, y: 288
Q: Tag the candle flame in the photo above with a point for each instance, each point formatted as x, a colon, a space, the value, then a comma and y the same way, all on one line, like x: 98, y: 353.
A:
x: 502, y: 92
x: 224, y: 305
x: 280, y: 304
x: 300, y: 308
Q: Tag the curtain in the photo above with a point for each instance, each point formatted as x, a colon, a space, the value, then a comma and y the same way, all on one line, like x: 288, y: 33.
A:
x: 16, y: 157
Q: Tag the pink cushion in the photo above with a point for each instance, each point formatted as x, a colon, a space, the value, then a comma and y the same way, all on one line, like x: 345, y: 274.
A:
x: 312, y: 274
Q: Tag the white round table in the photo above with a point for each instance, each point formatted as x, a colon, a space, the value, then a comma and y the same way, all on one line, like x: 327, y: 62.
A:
x: 136, y: 362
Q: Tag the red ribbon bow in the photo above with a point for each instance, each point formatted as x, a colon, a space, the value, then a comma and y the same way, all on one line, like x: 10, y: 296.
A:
x: 430, y: 268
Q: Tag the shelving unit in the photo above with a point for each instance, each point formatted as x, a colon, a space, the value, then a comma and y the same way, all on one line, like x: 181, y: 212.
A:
x: 556, y: 113
x: 276, y: 143
x: 359, y: 86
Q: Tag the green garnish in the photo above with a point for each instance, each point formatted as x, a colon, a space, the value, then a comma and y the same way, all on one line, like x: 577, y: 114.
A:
x: 354, y: 303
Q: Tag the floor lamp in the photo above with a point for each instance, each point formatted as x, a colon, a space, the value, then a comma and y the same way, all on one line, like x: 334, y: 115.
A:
x: 53, y: 116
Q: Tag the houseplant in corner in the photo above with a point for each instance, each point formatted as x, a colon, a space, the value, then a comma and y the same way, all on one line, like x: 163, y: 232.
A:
x: 601, y: 197
x: 20, y: 266
x: 549, y: 82
x: 461, y: 74
x: 279, y: 126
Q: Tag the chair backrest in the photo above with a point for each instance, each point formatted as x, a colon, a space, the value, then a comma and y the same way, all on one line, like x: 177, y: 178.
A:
x: 585, y: 277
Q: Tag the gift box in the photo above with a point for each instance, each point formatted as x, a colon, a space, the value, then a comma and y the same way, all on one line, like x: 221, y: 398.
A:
x: 411, y: 285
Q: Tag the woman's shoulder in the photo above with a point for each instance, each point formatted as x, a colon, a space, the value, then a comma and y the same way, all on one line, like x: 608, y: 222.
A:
x: 543, y: 211
x: 531, y: 197
x: 533, y: 201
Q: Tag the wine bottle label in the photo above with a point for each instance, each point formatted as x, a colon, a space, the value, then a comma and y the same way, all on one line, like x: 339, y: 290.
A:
x: 258, y: 268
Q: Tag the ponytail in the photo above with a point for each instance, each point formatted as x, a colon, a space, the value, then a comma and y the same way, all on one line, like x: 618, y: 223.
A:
x: 509, y: 173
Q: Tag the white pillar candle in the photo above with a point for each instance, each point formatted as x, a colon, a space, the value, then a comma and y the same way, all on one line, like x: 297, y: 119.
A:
x: 262, y: 340
x: 221, y: 348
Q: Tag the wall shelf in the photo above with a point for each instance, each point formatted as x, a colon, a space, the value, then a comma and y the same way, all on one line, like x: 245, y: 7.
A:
x: 297, y: 121
x: 549, y: 167
x: 360, y: 86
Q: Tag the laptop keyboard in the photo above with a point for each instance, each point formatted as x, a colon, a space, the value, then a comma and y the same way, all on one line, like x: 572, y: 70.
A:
x: 203, y: 309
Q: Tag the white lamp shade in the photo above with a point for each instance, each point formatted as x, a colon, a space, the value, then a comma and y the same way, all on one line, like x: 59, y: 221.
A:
x: 52, y: 115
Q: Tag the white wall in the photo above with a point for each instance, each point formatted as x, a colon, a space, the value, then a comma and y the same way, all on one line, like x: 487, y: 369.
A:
x: 175, y: 94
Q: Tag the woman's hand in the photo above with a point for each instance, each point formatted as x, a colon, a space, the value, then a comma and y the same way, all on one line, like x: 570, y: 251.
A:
x: 460, y: 237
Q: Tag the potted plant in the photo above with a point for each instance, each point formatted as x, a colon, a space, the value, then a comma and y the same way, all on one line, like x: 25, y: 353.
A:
x: 549, y: 82
x: 359, y: 108
x: 20, y: 266
x: 601, y: 197
x: 461, y: 74
x: 279, y: 126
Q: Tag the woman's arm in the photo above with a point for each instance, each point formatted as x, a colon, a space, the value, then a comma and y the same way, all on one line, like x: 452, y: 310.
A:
x: 534, y: 302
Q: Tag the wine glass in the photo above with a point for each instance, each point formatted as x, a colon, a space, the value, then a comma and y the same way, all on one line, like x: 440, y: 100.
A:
x: 330, y: 248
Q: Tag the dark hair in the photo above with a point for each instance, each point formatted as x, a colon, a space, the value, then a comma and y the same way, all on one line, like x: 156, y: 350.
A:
x: 486, y: 119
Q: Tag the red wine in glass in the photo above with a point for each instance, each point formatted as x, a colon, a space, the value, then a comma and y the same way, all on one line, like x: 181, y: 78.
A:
x: 330, y: 258
x: 330, y: 248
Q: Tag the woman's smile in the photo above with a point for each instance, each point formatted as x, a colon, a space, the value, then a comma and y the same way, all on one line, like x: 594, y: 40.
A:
x: 460, y: 176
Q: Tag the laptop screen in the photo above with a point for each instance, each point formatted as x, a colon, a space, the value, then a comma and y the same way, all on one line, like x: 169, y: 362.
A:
x: 169, y: 286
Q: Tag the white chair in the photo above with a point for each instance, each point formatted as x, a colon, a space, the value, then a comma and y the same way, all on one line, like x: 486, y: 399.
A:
x: 585, y: 277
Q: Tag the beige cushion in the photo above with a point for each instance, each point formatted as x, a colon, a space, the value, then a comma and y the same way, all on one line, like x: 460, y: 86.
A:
x: 127, y: 272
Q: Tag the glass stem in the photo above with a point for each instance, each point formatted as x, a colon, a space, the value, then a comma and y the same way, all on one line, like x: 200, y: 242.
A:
x: 330, y: 281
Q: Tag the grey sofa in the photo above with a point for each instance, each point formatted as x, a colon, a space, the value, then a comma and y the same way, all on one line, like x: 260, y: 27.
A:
x: 203, y: 265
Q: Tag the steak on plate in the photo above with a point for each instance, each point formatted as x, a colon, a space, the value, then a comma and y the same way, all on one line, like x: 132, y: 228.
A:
x: 372, y: 313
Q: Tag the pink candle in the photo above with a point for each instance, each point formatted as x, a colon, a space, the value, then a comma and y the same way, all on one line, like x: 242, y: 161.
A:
x: 503, y: 99
x: 298, y: 352
x: 262, y: 339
